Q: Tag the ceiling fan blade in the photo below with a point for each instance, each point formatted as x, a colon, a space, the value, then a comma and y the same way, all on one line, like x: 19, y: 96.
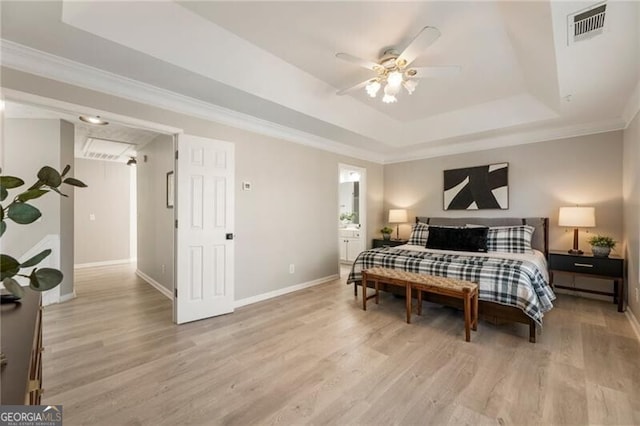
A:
x: 437, y: 71
x: 420, y: 42
x: 355, y: 60
x: 353, y: 88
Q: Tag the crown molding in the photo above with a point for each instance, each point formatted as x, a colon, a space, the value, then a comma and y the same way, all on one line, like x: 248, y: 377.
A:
x: 32, y: 61
x: 43, y: 64
x: 512, y: 139
x: 633, y: 106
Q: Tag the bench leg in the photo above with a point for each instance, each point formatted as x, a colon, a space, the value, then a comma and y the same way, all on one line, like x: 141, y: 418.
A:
x: 377, y: 286
x: 419, y: 302
x: 408, y: 302
x: 364, y: 292
x: 467, y: 316
x: 475, y: 312
x: 532, y: 331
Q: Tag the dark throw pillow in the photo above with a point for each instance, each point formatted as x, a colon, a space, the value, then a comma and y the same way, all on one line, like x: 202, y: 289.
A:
x: 459, y: 239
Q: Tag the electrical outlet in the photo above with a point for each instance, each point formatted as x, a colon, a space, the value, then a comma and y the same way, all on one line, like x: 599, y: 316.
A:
x: 163, y: 268
x: 637, y: 295
x: 92, y: 216
x: 292, y: 268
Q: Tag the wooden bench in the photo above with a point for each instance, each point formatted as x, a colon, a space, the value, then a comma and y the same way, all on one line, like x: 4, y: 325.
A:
x: 465, y: 290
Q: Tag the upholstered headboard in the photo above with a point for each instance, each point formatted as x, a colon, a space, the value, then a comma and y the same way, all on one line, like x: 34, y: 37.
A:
x: 539, y: 241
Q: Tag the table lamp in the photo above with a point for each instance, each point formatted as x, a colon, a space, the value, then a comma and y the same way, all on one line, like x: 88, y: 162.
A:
x: 397, y: 216
x: 577, y: 217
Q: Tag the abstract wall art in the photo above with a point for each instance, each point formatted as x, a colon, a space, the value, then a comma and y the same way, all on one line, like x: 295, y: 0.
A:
x: 477, y: 188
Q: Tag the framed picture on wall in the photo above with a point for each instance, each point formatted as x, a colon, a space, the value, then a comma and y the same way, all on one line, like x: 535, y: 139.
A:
x: 171, y: 191
x: 477, y: 188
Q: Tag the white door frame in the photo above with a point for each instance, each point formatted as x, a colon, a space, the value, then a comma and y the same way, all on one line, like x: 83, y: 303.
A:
x: 362, y: 202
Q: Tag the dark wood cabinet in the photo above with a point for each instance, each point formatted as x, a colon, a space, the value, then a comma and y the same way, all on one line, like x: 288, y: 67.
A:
x: 379, y: 242
x: 21, y: 343
x: 606, y: 268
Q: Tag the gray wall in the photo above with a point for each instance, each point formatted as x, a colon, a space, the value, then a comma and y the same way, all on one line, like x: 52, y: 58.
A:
x: 631, y: 190
x: 108, y: 199
x: 291, y: 214
x: 543, y: 177
x: 67, y: 138
x: 30, y: 144
x: 155, y: 220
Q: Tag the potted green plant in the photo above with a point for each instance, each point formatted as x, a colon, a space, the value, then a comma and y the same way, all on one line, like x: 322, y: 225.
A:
x: 348, y: 217
x: 601, y: 245
x: 386, y: 232
x: 21, y: 212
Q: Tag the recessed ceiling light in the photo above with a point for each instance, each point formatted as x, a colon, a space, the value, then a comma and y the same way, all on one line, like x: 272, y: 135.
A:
x: 93, y: 120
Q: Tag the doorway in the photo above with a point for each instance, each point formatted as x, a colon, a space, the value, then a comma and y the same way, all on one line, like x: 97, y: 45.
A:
x: 352, y: 213
x: 99, y: 226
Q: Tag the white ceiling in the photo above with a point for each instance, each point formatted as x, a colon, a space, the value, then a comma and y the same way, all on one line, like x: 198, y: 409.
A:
x: 275, y: 61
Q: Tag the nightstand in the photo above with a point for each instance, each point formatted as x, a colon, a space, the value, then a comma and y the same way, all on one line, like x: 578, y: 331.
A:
x: 379, y: 242
x: 607, y: 268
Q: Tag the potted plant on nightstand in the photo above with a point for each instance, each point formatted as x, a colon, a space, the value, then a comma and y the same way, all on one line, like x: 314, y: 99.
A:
x: 386, y: 232
x: 601, y: 245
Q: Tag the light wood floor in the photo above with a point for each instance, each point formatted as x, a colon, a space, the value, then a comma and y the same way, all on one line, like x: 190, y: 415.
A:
x: 114, y: 357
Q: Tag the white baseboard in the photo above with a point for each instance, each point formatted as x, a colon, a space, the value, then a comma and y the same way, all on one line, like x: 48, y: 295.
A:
x: 104, y: 263
x: 280, y: 292
x: 155, y: 284
x: 67, y: 297
x: 634, y: 322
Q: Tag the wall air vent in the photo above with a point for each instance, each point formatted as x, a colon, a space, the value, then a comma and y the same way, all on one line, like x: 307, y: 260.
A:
x: 586, y: 23
x: 105, y: 149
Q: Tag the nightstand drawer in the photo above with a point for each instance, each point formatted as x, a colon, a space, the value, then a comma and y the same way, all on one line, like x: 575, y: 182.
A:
x: 604, y: 266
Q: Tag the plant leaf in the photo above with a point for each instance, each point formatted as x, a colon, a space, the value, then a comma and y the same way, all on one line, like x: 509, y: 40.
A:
x: 58, y: 191
x: 3, y: 227
x: 23, y: 213
x: 38, y: 184
x: 11, y: 181
x: 45, y: 279
x: 66, y: 170
x: 50, y: 176
x: 75, y: 182
x: 13, y: 287
x: 31, y: 194
x: 3, y: 193
x: 36, y: 259
x: 8, y: 266
x: 1, y: 212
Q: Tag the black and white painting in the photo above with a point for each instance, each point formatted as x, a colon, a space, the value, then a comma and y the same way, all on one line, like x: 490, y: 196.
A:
x: 477, y: 188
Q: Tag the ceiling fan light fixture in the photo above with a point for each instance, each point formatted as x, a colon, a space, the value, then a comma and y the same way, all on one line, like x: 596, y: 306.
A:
x: 373, y: 87
x: 410, y: 85
x: 389, y: 99
x: 394, y: 79
x: 391, y: 90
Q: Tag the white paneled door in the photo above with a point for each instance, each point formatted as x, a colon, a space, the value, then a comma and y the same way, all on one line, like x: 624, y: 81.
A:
x: 204, y: 234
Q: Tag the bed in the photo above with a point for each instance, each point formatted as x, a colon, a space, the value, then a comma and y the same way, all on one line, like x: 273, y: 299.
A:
x: 514, y: 287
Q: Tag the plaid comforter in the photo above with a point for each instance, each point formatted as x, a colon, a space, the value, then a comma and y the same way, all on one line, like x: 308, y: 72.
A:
x: 510, y: 282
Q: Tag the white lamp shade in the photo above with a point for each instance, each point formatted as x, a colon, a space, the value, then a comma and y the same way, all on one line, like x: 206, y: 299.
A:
x: 397, y: 216
x: 577, y: 217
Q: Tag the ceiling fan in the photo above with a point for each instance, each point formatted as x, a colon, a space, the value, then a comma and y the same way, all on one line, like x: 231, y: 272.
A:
x: 393, y: 69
